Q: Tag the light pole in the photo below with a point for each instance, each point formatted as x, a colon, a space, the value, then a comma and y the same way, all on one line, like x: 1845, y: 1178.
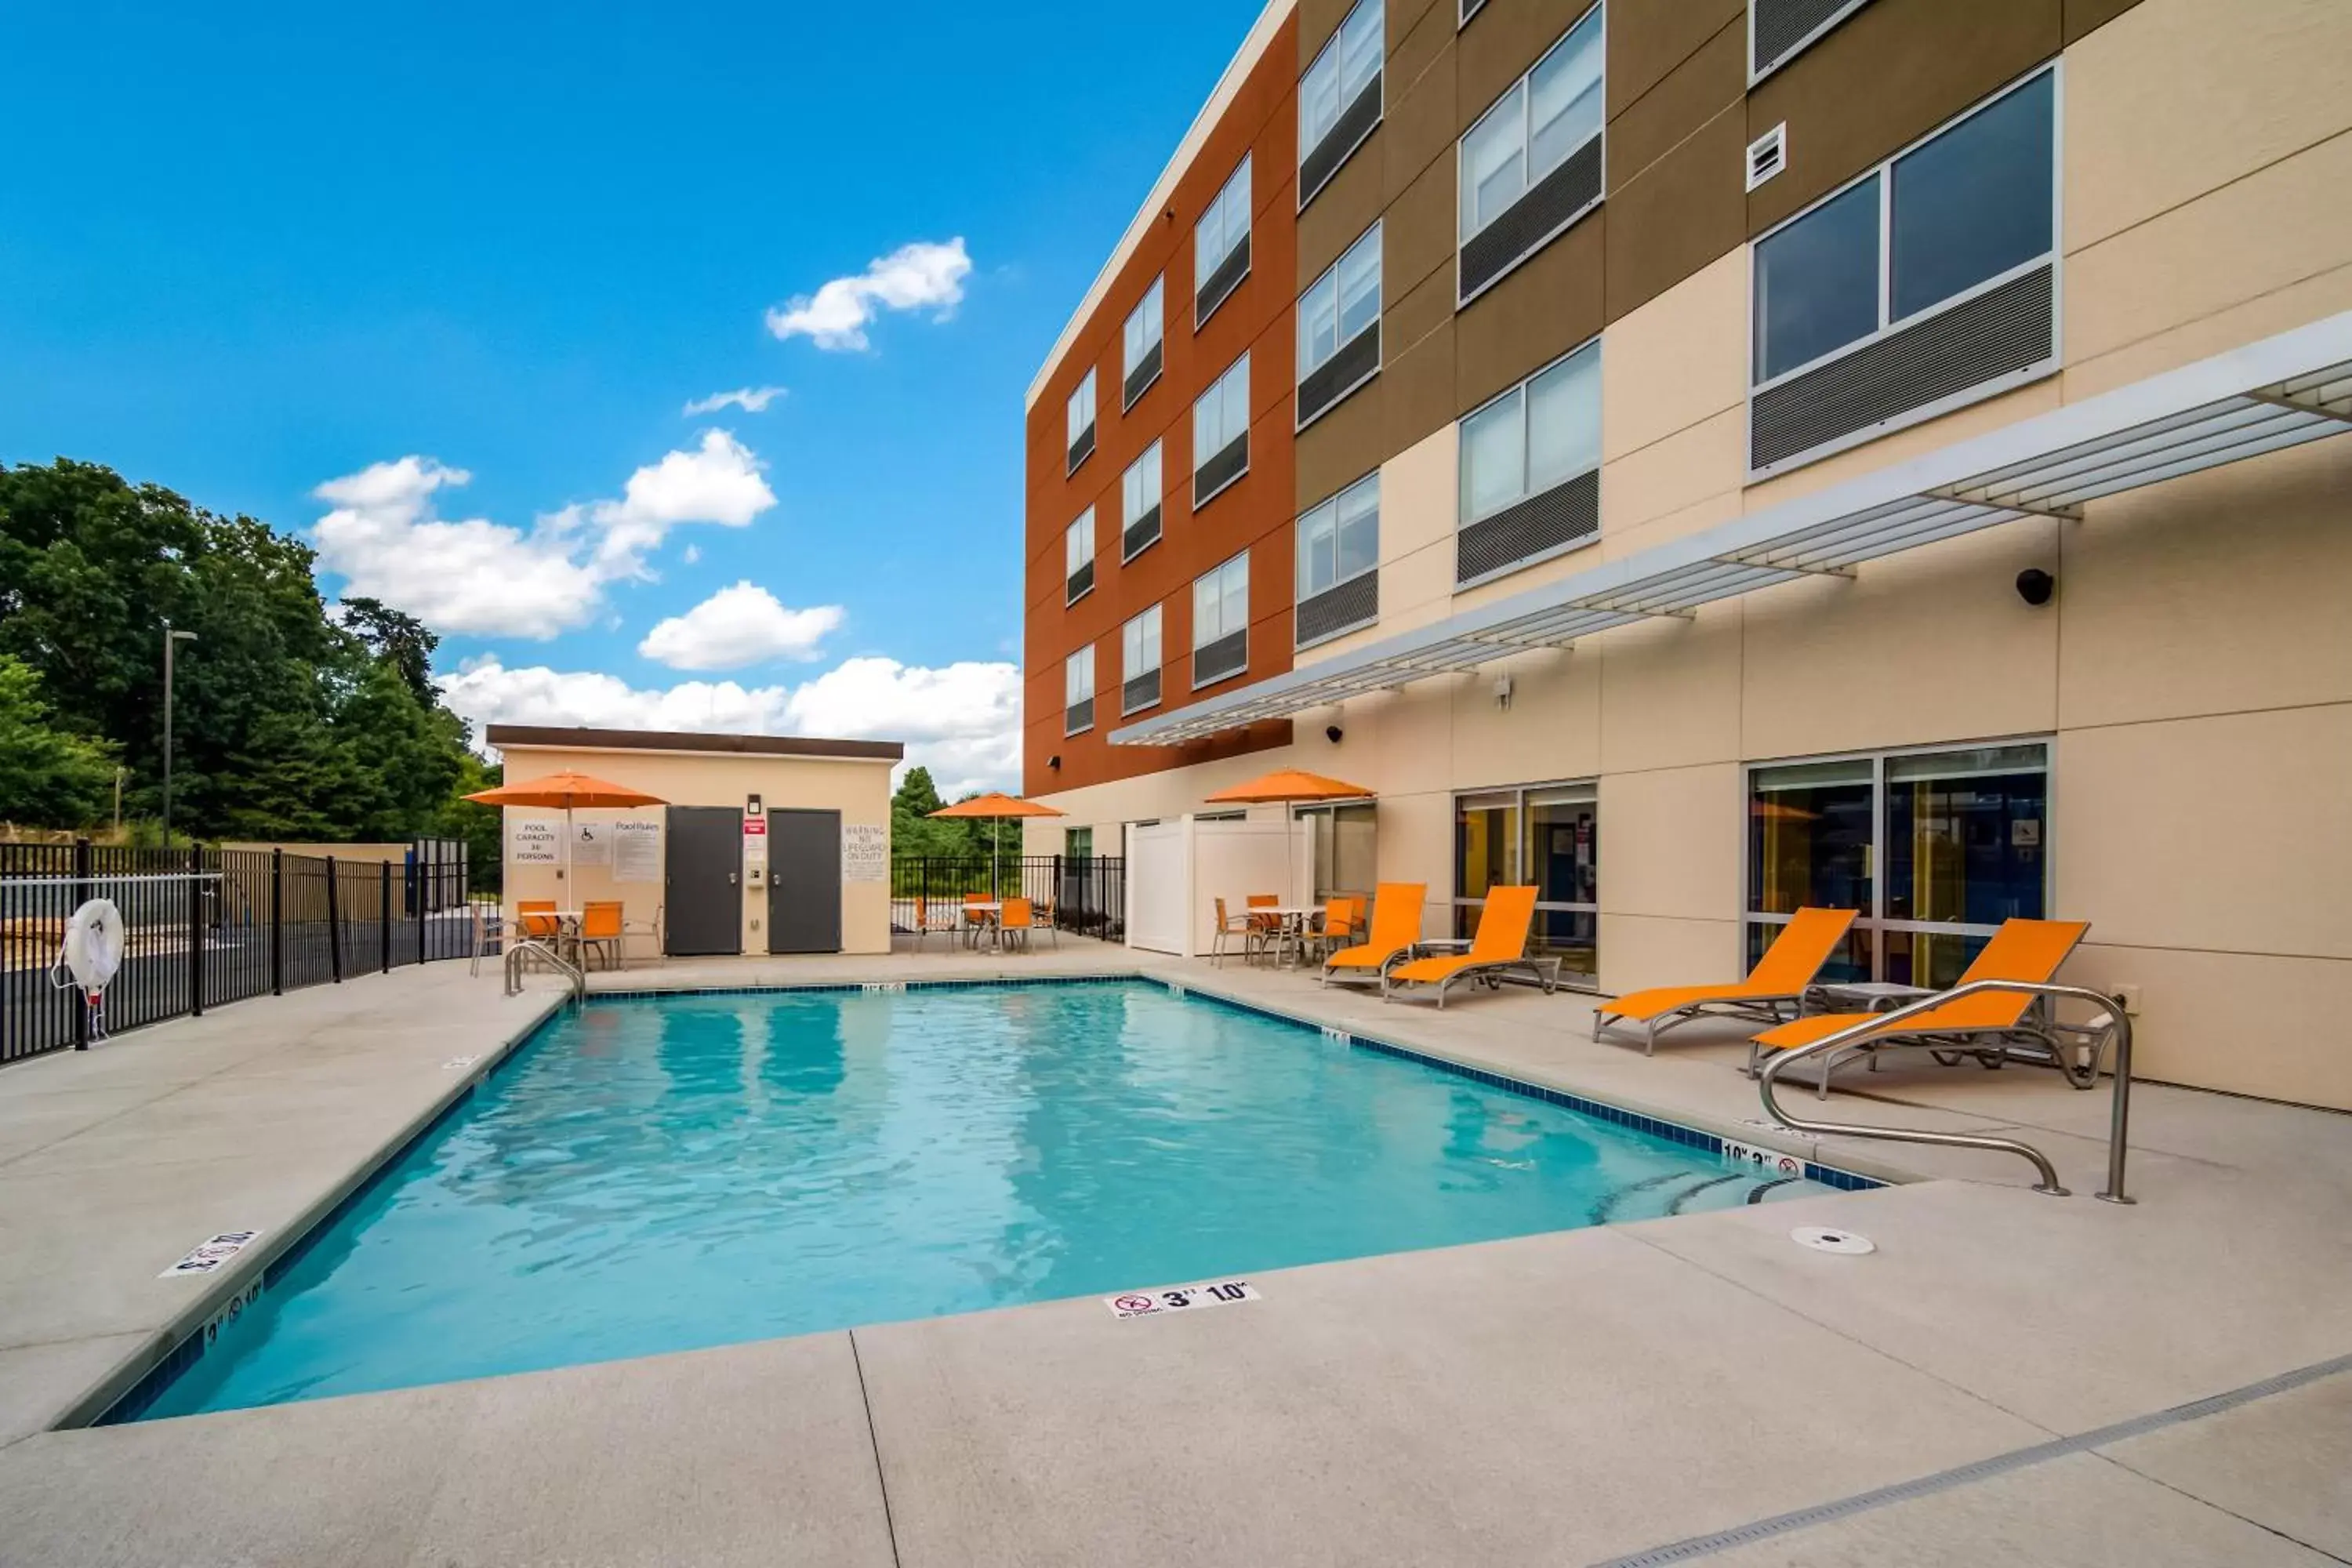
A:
x: 170, y: 638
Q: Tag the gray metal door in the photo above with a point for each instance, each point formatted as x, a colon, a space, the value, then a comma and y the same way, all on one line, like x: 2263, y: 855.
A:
x: 803, y: 882
x: 702, y: 900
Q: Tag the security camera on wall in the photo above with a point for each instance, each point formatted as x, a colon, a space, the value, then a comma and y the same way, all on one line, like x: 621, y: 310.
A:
x: 1503, y: 692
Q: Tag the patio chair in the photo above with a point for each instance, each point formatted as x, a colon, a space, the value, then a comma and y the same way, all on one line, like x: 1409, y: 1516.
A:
x: 1500, y: 948
x: 976, y: 922
x: 1265, y: 930
x: 535, y: 919
x: 1773, y: 992
x: 1396, y: 927
x: 1986, y: 1025
x: 930, y: 922
x: 1044, y: 921
x: 1013, y: 926
x: 600, y: 931
x: 1229, y: 927
x: 489, y: 934
x: 652, y: 928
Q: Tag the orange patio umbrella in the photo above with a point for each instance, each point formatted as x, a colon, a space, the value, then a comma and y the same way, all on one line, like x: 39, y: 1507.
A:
x: 1288, y: 787
x: 994, y: 808
x: 567, y: 790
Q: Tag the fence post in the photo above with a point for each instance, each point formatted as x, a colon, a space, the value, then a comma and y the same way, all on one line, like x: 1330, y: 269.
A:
x: 421, y: 887
x: 195, y: 931
x: 334, y: 925
x: 83, y: 870
x: 278, y: 922
x: 384, y: 925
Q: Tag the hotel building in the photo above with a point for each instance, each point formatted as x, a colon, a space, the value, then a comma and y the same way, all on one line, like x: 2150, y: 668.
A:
x: 1708, y: 456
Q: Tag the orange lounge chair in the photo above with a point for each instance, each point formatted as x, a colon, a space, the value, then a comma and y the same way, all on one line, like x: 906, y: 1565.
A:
x: 1396, y: 927
x: 1985, y: 1025
x: 1775, y: 986
x: 1499, y: 947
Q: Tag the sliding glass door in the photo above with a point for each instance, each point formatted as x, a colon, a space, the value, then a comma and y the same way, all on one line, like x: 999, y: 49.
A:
x: 1547, y: 835
x: 1934, y: 848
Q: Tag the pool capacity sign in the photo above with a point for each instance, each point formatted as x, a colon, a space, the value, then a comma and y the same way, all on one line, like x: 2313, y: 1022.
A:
x: 1161, y: 1303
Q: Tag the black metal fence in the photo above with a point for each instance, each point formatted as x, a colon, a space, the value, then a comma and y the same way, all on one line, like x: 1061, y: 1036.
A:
x: 206, y: 926
x: 1086, y: 893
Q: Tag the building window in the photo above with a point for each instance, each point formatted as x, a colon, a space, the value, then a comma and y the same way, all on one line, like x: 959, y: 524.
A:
x: 1532, y: 164
x: 1959, y: 230
x: 1221, y: 622
x: 1139, y: 494
x: 1081, y: 419
x: 1338, y: 564
x: 1340, y: 329
x: 1530, y: 464
x: 1779, y: 31
x: 1935, y: 848
x: 1339, y: 96
x: 1221, y: 246
x: 1147, y: 329
x: 1078, y: 692
x: 1345, y: 848
x: 1078, y: 843
x: 1221, y: 434
x: 1078, y: 558
x: 1546, y: 834
x: 1138, y: 663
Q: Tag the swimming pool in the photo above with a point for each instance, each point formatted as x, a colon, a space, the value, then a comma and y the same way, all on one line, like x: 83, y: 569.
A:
x: 653, y: 1174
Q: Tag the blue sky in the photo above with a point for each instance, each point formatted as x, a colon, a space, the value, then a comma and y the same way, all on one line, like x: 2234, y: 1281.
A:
x: 250, y: 251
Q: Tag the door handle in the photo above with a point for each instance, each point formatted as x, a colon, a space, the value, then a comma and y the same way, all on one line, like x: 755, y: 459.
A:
x: 731, y: 878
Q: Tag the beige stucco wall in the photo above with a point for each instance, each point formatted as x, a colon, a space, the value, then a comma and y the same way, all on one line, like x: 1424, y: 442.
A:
x: 857, y: 788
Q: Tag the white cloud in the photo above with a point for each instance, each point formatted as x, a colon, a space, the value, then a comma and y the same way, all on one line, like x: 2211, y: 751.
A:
x: 909, y: 277
x: 962, y: 720
x: 736, y: 626
x: 749, y: 399
x: 487, y: 578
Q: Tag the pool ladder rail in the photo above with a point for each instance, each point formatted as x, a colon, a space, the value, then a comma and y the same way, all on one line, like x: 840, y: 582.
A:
x: 2117, y: 1026
x: 526, y: 952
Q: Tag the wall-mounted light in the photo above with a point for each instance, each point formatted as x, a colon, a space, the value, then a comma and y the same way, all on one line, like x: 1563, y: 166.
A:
x: 1054, y: 761
x: 1332, y: 733
x: 2034, y: 585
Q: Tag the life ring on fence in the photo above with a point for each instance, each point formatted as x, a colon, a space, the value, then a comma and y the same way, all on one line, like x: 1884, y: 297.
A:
x: 93, y: 946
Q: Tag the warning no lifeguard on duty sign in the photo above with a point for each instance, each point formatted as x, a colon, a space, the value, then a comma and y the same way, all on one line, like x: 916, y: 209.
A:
x: 1160, y: 1303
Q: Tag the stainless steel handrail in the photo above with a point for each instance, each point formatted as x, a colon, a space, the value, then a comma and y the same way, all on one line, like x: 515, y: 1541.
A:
x: 2119, y: 1126
x: 526, y: 948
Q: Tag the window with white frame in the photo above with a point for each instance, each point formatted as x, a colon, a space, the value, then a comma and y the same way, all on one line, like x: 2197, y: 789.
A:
x: 1147, y: 329
x: 1338, y: 319
x: 1138, y: 661
x: 1079, y: 691
x: 1221, y: 245
x: 1521, y: 162
x: 1338, y: 98
x: 1080, y: 417
x: 1078, y: 557
x: 1339, y: 563
x: 1934, y: 848
x: 1140, y: 495
x: 1974, y: 203
x: 1221, y: 622
x: 1221, y: 433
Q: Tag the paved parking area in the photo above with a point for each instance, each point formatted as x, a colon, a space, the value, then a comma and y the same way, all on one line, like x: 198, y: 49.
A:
x: 1581, y: 1397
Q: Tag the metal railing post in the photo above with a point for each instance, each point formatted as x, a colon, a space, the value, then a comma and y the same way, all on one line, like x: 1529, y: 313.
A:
x: 383, y: 922
x: 195, y: 931
x: 277, y: 922
x: 334, y: 926
x: 83, y: 869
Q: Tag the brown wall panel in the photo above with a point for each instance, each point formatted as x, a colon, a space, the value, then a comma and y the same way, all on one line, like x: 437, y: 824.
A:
x: 1317, y: 20
x: 1343, y: 446
x: 1421, y: 310
x: 1648, y: 39
x: 2085, y: 16
x: 1501, y: 42
x: 1420, y: 33
x: 1418, y: 242
x: 1533, y: 316
x: 1418, y: 130
x: 1884, y: 77
x: 1417, y: 389
x: 1711, y: 79
x: 1345, y: 207
x: 1678, y: 215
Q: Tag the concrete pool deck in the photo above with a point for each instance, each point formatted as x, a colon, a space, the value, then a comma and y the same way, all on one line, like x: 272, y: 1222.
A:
x: 1570, y: 1398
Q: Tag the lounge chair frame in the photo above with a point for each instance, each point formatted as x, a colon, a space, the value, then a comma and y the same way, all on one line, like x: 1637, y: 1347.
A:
x: 1542, y: 969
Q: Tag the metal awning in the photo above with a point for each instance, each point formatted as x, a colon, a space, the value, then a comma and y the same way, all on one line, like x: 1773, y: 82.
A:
x: 2280, y: 392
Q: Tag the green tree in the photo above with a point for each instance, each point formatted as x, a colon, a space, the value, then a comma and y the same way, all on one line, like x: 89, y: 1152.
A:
x: 49, y: 777
x: 401, y: 641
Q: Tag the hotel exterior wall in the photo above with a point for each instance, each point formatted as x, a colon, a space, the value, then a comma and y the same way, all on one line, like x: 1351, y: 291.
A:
x: 2193, y: 677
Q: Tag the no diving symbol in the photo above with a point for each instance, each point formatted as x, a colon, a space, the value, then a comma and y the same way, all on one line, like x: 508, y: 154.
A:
x: 1134, y: 1303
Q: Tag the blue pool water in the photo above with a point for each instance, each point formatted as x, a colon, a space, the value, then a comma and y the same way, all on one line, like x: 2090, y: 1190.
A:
x: 655, y: 1175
